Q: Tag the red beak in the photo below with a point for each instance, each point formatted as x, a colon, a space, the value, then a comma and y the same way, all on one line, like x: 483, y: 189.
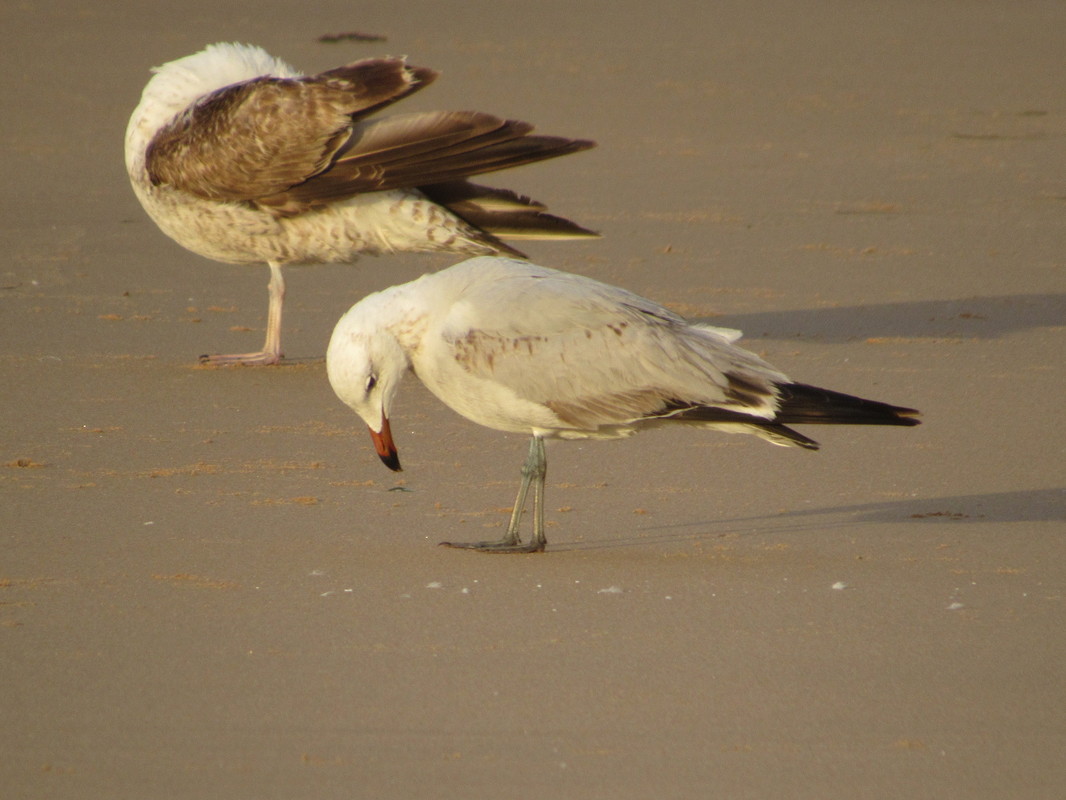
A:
x: 385, y: 446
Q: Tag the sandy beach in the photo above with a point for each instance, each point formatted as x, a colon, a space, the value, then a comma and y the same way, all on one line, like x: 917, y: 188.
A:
x: 210, y: 587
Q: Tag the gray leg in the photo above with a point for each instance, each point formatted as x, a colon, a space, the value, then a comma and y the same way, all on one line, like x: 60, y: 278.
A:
x: 533, y: 472
x: 539, y: 539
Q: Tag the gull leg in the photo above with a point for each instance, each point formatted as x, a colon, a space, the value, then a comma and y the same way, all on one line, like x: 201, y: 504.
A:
x: 533, y: 472
x: 271, y: 352
x: 539, y: 539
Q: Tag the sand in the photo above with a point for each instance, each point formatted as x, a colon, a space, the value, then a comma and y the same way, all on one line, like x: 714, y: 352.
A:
x: 210, y: 587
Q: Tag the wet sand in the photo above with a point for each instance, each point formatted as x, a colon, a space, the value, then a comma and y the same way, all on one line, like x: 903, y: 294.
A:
x: 210, y: 586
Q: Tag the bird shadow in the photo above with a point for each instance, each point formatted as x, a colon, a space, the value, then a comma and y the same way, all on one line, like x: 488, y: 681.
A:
x: 964, y: 318
x: 1032, y: 505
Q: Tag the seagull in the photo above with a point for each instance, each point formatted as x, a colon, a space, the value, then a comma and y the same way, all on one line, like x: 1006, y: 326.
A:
x: 526, y: 349
x: 240, y: 158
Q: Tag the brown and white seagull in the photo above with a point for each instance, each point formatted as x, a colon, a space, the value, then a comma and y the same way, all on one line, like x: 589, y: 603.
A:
x: 240, y: 158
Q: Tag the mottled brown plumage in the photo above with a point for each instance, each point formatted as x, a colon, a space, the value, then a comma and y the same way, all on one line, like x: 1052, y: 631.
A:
x: 240, y: 158
x: 254, y: 140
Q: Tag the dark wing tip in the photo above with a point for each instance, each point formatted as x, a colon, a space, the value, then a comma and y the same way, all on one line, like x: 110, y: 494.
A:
x: 423, y: 75
x: 801, y: 403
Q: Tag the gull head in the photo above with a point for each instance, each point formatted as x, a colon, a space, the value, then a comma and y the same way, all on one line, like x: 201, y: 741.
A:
x: 365, y: 364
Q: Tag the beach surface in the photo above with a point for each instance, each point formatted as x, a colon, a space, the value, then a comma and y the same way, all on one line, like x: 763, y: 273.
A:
x: 210, y: 587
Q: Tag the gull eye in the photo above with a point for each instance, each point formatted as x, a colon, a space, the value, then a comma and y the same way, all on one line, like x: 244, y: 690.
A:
x: 371, y: 382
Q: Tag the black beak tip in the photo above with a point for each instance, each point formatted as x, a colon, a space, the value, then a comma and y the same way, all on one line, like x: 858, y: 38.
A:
x: 392, y: 461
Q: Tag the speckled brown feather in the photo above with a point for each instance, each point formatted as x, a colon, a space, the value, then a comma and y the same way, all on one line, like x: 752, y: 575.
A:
x: 290, y: 145
x: 227, y: 147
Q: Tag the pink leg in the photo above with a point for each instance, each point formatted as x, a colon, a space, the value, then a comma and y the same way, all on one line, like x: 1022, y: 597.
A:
x: 271, y: 352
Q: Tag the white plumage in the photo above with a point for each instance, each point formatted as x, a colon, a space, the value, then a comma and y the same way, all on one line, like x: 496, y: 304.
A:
x: 522, y: 348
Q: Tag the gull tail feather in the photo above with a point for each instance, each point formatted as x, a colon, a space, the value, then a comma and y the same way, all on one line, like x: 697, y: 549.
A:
x: 501, y: 212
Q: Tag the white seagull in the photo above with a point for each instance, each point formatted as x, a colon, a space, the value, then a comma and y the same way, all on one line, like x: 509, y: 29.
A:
x: 522, y: 348
x: 240, y: 158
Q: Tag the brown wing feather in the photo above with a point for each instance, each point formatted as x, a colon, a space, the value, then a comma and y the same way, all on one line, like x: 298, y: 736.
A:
x: 503, y: 212
x: 375, y: 153
x: 416, y: 150
x: 255, y: 139
x: 293, y: 144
